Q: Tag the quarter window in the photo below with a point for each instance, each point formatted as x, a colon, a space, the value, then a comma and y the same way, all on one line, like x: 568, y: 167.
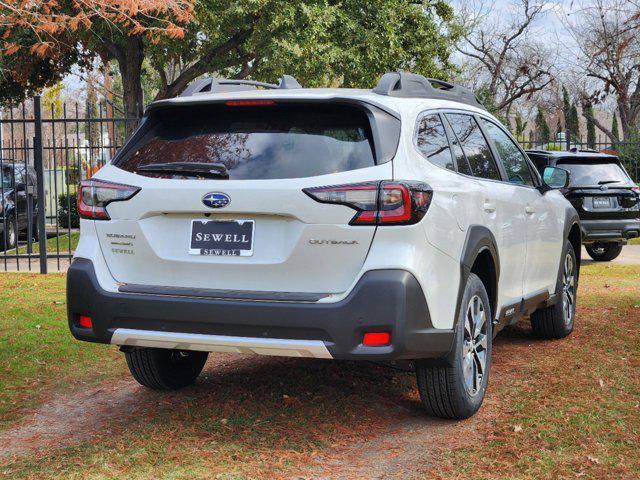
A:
x: 474, y: 145
x: 514, y: 162
x: 432, y: 141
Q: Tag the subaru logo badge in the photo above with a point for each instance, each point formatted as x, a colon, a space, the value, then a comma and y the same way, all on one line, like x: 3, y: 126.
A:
x: 216, y: 200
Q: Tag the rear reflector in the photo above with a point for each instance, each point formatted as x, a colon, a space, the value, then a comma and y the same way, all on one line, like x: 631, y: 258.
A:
x: 376, y: 339
x: 379, y: 203
x: 85, y: 322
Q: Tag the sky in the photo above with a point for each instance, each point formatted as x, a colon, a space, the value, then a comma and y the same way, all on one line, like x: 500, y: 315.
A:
x: 550, y: 27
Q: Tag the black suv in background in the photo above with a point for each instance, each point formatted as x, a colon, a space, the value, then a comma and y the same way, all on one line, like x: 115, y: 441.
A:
x: 17, y: 186
x: 604, y: 195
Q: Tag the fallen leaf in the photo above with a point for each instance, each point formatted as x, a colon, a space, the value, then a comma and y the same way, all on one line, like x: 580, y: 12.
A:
x: 517, y: 428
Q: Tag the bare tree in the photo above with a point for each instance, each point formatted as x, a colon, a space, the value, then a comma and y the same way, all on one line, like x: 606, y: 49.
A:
x: 511, y: 64
x: 607, y: 34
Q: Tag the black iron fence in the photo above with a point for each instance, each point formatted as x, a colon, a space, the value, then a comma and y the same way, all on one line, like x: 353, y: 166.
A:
x: 45, y: 151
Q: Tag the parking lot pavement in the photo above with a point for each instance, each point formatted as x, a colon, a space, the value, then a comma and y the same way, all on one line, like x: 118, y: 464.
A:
x: 630, y: 256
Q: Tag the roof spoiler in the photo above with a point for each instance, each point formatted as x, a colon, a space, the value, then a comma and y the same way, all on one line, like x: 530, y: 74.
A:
x: 222, y: 85
x: 411, y: 85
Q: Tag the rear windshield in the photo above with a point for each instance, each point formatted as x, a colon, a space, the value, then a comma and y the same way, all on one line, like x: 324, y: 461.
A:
x: 255, y: 142
x: 591, y: 173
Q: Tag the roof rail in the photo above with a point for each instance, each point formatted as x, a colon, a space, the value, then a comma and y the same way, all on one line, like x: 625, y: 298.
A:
x: 411, y: 85
x: 221, y: 85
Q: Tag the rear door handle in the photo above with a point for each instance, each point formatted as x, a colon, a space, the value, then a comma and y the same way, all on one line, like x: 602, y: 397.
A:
x: 529, y: 210
x: 489, y: 207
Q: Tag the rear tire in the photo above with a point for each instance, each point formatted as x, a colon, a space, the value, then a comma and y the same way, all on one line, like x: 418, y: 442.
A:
x: 556, y: 321
x: 604, y: 251
x: 457, y: 391
x: 161, y: 369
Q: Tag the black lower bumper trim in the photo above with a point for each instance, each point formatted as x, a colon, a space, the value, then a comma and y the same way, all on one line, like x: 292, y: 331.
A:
x: 383, y: 300
x: 609, y: 230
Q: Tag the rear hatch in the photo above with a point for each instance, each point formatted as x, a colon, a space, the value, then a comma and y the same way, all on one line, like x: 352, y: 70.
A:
x: 245, y: 224
x: 600, y: 189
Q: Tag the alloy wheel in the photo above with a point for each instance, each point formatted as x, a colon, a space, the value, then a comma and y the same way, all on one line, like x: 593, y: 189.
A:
x: 474, y: 347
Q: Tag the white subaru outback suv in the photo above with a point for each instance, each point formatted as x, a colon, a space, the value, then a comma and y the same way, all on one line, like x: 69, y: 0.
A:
x: 399, y: 223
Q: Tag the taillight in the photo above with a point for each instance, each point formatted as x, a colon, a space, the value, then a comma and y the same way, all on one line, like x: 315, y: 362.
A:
x: 379, y: 203
x: 95, y: 195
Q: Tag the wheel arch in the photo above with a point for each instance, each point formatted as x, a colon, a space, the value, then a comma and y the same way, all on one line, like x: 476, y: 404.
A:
x: 573, y: 233
x: 480, y: 256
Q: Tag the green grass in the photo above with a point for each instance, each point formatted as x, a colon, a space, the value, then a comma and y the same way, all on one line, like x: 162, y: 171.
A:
x: 634, y: 241
x: 38, y: 355
x: 62, y: 243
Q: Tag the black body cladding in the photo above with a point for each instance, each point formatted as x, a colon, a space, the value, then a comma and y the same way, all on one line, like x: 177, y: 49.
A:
x: 383, y: 300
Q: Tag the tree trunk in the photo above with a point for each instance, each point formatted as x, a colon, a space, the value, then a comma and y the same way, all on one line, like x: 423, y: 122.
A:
x: 131, y: 70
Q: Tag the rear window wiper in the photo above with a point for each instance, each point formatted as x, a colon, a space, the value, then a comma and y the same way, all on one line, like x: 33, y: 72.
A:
x: 604, y: 182
x: 208, y: 170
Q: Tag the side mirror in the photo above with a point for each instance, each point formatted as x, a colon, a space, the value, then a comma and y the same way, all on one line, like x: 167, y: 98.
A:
x: 554, y: 178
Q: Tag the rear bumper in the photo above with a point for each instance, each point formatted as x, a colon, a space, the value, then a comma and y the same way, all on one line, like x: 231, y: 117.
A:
x: 609, y: 230
x: 383, y: 300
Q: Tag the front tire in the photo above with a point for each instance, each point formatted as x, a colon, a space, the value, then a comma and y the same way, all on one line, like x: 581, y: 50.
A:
x: 162, y: 369
x: 604, y: 251
x: 457, y: 391
x: 556, y: 321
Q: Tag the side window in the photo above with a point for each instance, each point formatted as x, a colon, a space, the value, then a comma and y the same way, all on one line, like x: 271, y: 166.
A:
x: 461, y: 160
x: 513, y: 160
x: 474, y: 145
x: 432, y: 141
